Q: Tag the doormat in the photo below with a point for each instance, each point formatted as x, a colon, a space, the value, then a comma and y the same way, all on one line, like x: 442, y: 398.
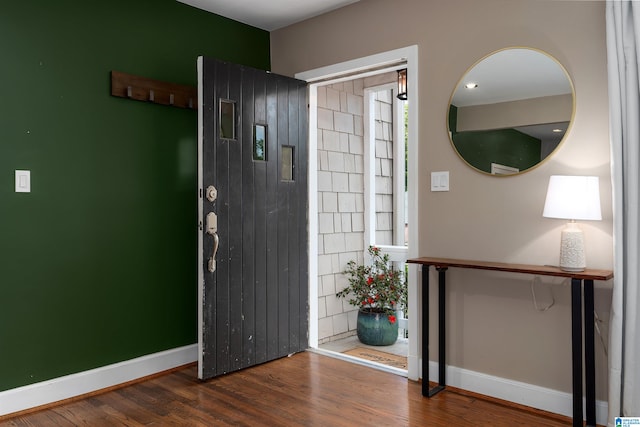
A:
x: 378, y: 356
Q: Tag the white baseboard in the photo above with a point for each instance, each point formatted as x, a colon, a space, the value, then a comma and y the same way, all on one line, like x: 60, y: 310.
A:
x: 514, y: 391
x: 46, y: 392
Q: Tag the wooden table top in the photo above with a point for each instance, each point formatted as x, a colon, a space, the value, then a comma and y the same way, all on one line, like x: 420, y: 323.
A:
x: 543, y: 270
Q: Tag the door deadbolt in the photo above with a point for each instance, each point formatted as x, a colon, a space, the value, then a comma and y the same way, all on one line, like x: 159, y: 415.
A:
x: 211, y: 193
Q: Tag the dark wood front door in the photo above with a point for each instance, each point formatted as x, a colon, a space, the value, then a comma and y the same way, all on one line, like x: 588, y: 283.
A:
x: 253, y: 250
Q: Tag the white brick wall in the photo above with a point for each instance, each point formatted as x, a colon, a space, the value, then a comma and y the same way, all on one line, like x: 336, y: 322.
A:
x: 345, y: 222
x: 334, y: 243
x: 357, y: 222
x: 336, y: 161
x: 329, y: 202
x: 325, y: 118
x: 343, y: 122
x: 324, y: 181
x: 325, y: 223
x: 384, y: 167
x: 340, y: 182
x: 340, y: 323
x: 341, y: 193
x: 356, y: 145
x: 346, y: 202
x: 353, y: 242
x: 330, y: 140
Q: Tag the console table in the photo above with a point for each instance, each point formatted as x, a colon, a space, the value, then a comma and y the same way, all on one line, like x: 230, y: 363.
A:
x: 579, y: 280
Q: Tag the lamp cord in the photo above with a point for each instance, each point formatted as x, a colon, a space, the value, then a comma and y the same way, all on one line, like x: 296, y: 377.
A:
x: 596, y: 319
x: 535, y: 280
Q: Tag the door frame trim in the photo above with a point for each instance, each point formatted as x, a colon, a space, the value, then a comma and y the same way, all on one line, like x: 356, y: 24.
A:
x: 200, y: 225
x: 345, y: 71
x: 370, y: 173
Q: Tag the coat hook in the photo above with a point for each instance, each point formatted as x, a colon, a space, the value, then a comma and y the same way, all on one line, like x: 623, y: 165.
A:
x: 129, y: 92
x: 170, y: 99
x: 151, y: 95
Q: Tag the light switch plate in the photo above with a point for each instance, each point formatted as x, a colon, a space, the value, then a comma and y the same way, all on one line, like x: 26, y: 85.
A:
x: 23, y: 181
x: 440, y: 181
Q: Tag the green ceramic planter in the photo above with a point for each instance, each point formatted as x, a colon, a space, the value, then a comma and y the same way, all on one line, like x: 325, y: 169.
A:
x: 375, y: 329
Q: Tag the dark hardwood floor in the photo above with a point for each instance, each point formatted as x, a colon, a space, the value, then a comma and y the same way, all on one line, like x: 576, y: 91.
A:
x: 306, y: 389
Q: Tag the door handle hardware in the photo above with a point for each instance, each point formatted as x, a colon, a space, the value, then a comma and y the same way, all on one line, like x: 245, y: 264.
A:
x: 211, y: 265
x: 212, y: 229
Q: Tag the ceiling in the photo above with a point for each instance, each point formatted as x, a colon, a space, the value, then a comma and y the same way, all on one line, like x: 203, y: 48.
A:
x: 516, y: 74
x: 512, y: 74
x: 268, y: 15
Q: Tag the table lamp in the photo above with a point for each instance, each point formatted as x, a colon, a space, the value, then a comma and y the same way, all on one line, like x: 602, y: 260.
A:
x: 573, y: 198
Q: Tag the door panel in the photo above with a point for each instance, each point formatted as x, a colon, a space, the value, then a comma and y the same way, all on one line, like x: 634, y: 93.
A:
x: 254, y: 307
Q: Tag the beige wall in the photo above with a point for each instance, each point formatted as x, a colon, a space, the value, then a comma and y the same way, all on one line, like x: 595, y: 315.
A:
x: 493, y: 327
x: 534, y: 111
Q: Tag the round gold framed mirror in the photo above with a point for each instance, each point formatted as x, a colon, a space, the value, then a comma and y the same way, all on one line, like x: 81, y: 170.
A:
x: 510, y: 111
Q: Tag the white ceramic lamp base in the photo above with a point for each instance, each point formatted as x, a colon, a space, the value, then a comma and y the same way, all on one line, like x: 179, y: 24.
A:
x: 572, y: 257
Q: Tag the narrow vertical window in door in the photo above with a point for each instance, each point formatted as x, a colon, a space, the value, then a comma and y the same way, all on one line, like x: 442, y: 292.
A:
x: 287, y: 163
x: 259, y: 142
x: 227, y: 119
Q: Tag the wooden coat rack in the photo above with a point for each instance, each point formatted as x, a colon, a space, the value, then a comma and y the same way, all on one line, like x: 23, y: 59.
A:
x: 143, y: 89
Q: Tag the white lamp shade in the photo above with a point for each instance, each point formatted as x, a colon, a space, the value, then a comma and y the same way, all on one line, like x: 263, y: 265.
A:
x: 573, y: 197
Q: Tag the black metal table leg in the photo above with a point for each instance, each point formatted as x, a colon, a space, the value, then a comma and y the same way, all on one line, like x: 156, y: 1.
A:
x: 425, y: 330
x: 576, y: 349
x: 589, y: 354
x: 426, y: 391
x: 442, y: 366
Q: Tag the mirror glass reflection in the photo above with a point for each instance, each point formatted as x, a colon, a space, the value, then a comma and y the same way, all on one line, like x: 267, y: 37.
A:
x: 510, y: 111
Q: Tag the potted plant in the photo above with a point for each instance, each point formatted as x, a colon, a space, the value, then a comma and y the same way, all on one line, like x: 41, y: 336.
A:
x: 378, y: 291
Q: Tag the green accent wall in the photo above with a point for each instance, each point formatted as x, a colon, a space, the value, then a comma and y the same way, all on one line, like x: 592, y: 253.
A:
x: 507, y: 147
x: 98, y: 263
x: 503, y: 146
